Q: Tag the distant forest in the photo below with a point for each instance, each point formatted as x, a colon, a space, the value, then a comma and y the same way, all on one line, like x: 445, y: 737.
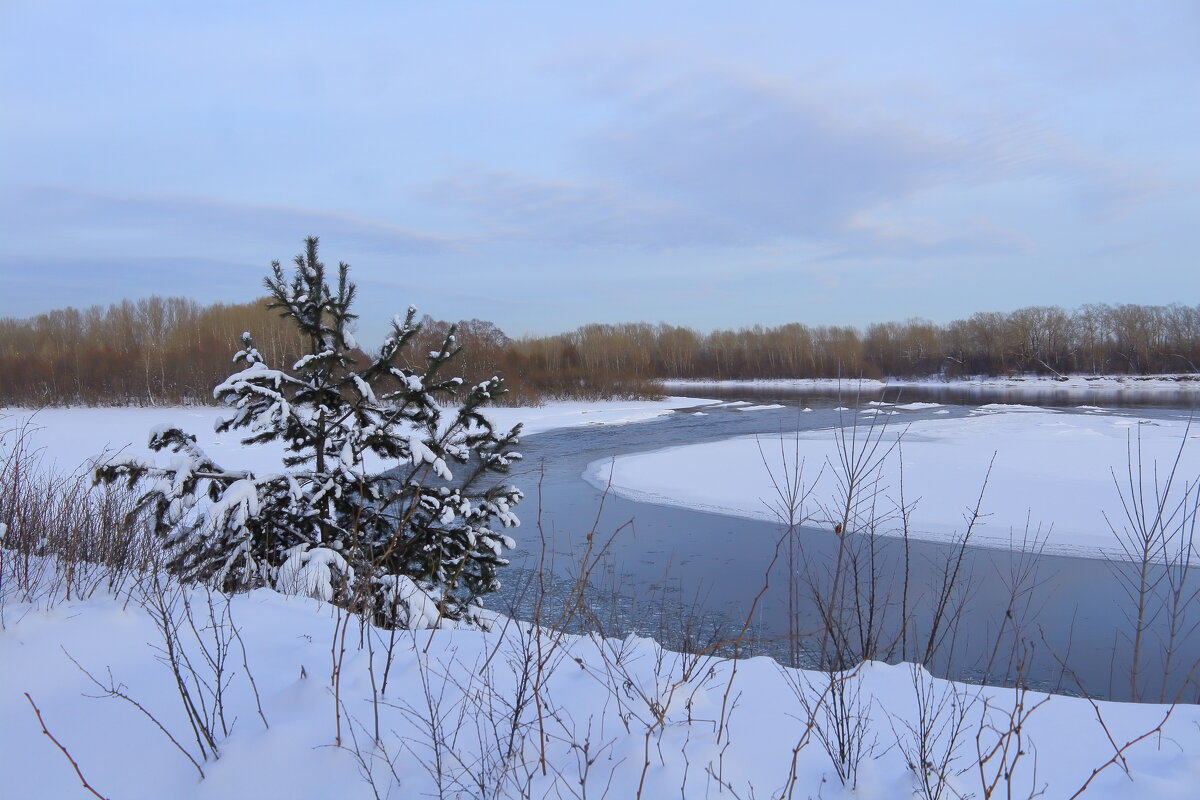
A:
x: 172, y: 350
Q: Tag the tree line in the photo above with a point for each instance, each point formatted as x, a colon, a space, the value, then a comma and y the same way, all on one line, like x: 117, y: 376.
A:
x: 1044, y: 340
x: 149, y: 351
x: 173, y: 350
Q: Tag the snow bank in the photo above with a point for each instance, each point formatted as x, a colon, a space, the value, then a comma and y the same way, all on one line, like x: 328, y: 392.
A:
x: 607, y: 706
x: 1051, y: 470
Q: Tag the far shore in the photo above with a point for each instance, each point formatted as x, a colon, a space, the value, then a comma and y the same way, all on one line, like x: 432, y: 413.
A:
x: 1174, y: 382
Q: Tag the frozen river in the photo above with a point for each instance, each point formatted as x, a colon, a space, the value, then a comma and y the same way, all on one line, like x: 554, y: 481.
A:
x: 689, y: 576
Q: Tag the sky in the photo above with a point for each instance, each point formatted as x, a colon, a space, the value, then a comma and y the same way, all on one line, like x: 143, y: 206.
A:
x: 545, y: 164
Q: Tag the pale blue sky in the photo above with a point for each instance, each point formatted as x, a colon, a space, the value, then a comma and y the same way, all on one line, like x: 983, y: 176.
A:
x: 549, y: 164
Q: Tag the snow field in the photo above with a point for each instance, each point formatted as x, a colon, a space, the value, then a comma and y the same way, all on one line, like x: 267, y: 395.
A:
x: 70, y: 438
x: 626, y: 701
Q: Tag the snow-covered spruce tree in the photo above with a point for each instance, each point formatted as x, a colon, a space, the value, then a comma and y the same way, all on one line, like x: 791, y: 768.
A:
x: 408, y: 545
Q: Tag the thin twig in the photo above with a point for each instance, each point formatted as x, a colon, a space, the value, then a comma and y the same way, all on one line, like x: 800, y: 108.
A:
x: 60, y: 746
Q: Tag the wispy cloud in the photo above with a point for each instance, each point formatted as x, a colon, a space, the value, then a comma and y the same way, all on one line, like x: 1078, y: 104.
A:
x: 512, y: 206
x: 62, y: 219
x: 918, y: 238
x: 763, y: 156
x: 713, y: 159
x: 45, y: 282
x: 724, y: 158
x: 70, y: 246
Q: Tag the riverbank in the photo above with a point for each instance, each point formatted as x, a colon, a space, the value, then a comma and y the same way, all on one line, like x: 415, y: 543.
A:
x: 456, y: 710
x: 1033, y: 384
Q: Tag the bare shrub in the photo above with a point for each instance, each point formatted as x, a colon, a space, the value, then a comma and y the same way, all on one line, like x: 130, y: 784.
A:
x: 1006, y: 758
x: 201, y: 646
x: 1156, y: 531
x: 60, y: 536
x: 932, y: 740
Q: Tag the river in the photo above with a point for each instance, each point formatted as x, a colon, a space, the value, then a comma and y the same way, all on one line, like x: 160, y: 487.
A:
x: 691, y: 578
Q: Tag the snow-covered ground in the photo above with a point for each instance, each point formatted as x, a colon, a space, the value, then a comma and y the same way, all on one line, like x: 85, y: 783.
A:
x: 69, y: 437
x: 608, y: 709
x: 1032, y: 384
x: 1051, y: 470
x: 615, y: 718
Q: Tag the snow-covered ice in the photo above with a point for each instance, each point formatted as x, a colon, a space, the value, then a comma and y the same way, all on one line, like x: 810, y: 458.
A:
x: 1034, y: 384
x: 1053, y: 471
